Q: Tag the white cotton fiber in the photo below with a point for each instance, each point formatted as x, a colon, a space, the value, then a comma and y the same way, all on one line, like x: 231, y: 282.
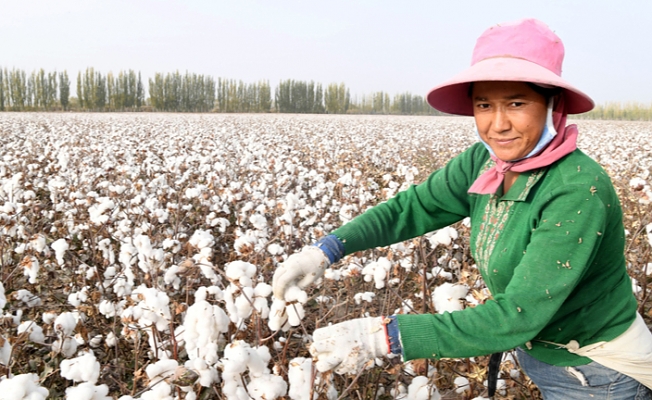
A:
x: 84, y: 368
x: 278, y: 317
x: 88, y: 391
x: 420, y: 389
x: 31, y: 268
x: 161, y: 369
x: 267, y: 387
x: 377, y: 271
x: 448, y: 297
x: 35, y: 331
x: 3, y: 299
x: 20, y: 387
x: 5, y: 351
x: 65, y: 323
x: 295, y: 313
x: 300, y: 378
x: 294, y: 293
x: 443, y: 237
x: 66, y: 346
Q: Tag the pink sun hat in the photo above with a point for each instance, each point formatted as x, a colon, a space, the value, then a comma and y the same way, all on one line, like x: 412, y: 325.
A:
x: 522, y: 51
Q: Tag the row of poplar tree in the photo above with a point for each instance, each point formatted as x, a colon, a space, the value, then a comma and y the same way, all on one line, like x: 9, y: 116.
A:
x: 175, y: 92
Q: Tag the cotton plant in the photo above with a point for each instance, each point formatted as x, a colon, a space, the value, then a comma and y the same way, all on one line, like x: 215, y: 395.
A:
x: 377, y: 271
x: 260, y: 384
x: 203, y: 241
x: 202, y: 333
x: 241, y: 297
x: 287, y: 313
x: 151, y: 310
x: 84, y: 370
x: 301, y: 382
x: 64, y: 326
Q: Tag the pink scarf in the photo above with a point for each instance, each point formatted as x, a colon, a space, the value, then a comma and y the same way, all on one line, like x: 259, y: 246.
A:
x: 563, y: 143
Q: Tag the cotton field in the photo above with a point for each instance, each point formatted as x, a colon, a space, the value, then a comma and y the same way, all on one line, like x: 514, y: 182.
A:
x: 137, y: 251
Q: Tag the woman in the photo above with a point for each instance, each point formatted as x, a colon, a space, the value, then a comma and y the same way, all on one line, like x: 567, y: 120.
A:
x: 547, y: 235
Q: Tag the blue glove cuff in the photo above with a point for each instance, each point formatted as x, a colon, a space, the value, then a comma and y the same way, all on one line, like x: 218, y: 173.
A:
x: 393, y: 335
x: 332, y: 246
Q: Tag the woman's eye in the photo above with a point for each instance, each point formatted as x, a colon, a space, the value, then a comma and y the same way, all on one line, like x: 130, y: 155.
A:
x: 517, y: 103
x: 482, y: 105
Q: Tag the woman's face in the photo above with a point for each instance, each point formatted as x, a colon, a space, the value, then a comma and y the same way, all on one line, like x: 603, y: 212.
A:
x: 510, y: 117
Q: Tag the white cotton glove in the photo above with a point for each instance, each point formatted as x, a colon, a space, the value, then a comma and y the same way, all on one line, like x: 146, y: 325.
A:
x: 350, y: 346
x: 299, y: 270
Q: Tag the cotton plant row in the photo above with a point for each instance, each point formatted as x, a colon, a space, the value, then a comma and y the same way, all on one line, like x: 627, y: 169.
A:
x: 139, y: 249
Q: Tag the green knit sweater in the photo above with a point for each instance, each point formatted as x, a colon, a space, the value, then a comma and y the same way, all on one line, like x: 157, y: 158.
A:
x: 551, y: 251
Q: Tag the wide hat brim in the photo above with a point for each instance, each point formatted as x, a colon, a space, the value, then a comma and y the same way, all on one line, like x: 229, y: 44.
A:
x: 453, y: 96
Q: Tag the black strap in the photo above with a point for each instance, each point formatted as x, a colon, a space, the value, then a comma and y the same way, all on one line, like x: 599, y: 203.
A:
x: 492, y: 374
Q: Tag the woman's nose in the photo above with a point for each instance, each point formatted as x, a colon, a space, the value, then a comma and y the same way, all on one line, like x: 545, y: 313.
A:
x: 501, y: 121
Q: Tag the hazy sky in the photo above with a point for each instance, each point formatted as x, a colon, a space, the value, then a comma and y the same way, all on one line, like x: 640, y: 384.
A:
x: 393, y: 46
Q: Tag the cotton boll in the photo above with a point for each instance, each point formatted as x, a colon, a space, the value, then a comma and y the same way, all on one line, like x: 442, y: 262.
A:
x: 5, y: 351
x: 204, y: 325
x: 153, y: 308
x: 295, y: 313
x: 171, y: 245
x: 208, y: 375
x: 300, y: 378
x: 66, y: 346
x: 366, y: 296
x: 420, y: 389
x: 461, y: 384
x: 238, y: 269
x: 65, y: 323
x: 30, y: 268
x: 258, y: 221
x: 294, y: 293
x: 25, y: 386
x: 267, y: 387
x: 275, y: 249
x: 447, y: 297
x: 88, y: 391
x: 35, y: 331
x: 160, y: 391
x: 111, y: 309
x: 39, y: 245
x: 262, y: 289
x: 95, y: 341
x: 332, y: 274
x: 278, y: 318
x: 161, y: 369
x: 377, y: 271
x: 171, y: 278
x: 75, y: 299
x: 443, y: 237
x: 202, y: 239
x: 84, y: 368
x: 3, y: 299
x: 111, y: 339
x: 48, y: 317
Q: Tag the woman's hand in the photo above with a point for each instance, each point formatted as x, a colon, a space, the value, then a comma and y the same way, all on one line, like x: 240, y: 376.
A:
x: 299, y: 270
x: 350, y: 346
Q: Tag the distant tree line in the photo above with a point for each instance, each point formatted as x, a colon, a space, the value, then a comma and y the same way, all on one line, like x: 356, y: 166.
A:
x: 176, y: 92
x: 629, y: 111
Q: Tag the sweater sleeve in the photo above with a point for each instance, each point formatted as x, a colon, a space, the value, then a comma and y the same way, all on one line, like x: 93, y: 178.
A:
x: 569, y: 228
x: 438, y: 202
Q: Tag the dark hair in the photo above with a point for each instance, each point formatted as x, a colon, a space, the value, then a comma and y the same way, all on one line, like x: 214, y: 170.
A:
x: 546, y: 92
